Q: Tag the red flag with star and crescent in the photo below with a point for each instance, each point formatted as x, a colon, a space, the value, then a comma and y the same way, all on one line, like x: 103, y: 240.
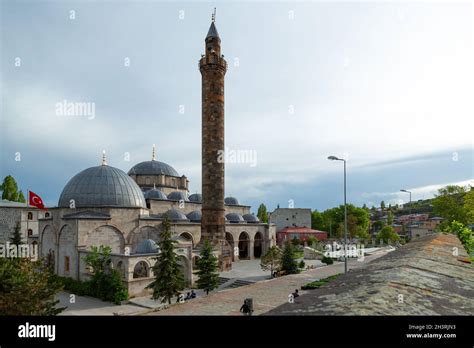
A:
x: 36, y: 200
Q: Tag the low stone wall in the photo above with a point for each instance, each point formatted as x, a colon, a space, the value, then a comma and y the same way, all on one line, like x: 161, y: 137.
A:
x: 429, y: 276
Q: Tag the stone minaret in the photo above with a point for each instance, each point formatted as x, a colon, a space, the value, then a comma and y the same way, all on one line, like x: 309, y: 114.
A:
x: 213, y: 68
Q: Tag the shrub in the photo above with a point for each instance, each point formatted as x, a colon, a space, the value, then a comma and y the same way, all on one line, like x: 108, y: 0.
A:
x: 327, y: 260
x: 318, y: 283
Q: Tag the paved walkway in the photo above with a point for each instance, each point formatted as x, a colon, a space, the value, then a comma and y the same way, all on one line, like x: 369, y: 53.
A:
x: 266, y: 294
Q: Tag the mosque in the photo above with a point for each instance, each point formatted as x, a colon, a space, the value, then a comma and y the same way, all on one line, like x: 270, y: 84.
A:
x: 103, y: 205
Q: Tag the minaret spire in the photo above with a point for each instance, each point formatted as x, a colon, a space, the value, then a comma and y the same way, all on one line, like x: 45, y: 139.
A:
x: 153, y: 154
x: 214, y: 15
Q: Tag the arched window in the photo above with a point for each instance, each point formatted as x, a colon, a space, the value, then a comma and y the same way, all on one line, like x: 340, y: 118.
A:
x: 140, y: 270
x: 46, y: 215
x: 30, y: 215
x: 30, y: 232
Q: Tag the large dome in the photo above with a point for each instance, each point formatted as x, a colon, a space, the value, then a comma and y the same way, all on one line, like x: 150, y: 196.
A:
x: 102, y: 186
x: 153, y: 168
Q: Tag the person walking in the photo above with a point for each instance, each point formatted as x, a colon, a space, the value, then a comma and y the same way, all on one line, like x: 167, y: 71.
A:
x: 245, y: 309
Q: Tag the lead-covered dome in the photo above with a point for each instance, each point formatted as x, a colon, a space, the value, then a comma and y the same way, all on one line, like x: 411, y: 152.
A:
x: 175, y: 215
x: 155, y: 193
x: 102, y: 186
x: 234, y: 218
x: 231, y: 201
x: 147, y: 246
x: 177, y: 196
x: 194, y: 216
x: 196, y: 198
x: 251, y: 218
x: 153, y: 168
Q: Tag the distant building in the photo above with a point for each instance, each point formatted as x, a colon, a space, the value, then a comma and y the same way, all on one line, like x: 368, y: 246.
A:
x: 410, y: 218
x: 290, y: 217
x: 301, y: 233
x: 13, y: 212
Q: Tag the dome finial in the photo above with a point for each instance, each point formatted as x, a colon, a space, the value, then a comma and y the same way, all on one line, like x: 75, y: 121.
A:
x: 104, y: 159
x: 153, y: 155
x: 214, y: 15
x: 154, y: 186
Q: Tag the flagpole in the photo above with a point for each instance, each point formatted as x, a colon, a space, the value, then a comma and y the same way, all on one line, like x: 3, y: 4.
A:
x: 27, y: 208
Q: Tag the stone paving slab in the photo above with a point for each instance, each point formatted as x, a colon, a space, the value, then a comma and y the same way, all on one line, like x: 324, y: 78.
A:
x: 266, y: 294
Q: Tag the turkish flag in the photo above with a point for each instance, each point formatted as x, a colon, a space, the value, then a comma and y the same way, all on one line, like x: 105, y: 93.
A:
x: 36, y: 200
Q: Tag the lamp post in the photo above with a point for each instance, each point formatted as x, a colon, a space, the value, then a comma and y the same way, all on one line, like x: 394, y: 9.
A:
x: 406, y: 191
x: 334, y: 158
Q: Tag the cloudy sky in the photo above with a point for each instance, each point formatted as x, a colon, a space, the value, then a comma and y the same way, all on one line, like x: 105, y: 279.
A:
x: 387, y: 85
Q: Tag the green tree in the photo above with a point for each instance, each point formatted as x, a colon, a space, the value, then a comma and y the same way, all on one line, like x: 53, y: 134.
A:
x: 469, y: 206
x: 16, y: 237
x: 169, y: 279
x: 317, y: 221
x: 387, y: 234
x: 271, y: 260
x: 464, y: 234
x: 390, y: 218
x: 106, y: 282
x: 288, y: 261
x: 449, y: 204
x: 21, y: 197
x: 10, y: 191
x: 262, y: 213
x: 207, y: 269
x: 382, y: 206
x: 311, y: 241
x: 27, y: 288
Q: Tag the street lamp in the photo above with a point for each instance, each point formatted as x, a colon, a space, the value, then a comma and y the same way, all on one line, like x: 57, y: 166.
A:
x: 334, y: 158
x: 410, y: 197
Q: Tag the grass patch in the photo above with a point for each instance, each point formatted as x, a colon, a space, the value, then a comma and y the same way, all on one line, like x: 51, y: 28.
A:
x: 318, y: 283
x: 298, y: 254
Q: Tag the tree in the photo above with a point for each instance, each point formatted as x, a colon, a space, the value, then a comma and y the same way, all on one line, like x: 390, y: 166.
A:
x: 382, y: 206
x: 27, y: 288
x: 21, y: 197
x: 207, y: 269
x: 311, y: 241
x: 10, y: 191
x: 390, y: 218
x: 262, y: 213
x: 106, y: 282
x: 271, y: 260
x: 387, y: 234
x: 169, y: 279
x: 317, y: 220
x: 296, y: 242
x: 288, y: 261
x: 449, y: 204
x: 16, y: 237
x: 469, y: 206
x: 464, y: 234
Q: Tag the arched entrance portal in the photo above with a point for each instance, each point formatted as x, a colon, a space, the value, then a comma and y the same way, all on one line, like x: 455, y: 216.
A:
x: 257, y: 245
x: 230, y: 239
x: 244, y: 244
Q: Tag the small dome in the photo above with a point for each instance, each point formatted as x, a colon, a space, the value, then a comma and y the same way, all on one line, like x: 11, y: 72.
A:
x: 147, y: 246
x: 251, y: 218
x: 155, y: 193
x: 196, y: 198
x: 234, y: 217
x: 231, y: 201
x: 153, y: 168
x: 177, y: 196
x: 102, y: 186
x: 194, y: 216
x: 175, y: 215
